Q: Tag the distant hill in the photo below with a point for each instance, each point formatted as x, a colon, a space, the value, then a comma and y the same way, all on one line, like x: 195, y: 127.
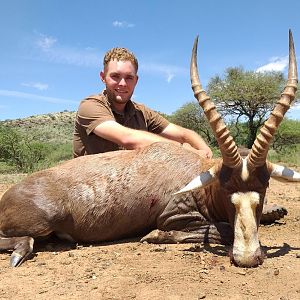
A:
x: 52, y: 127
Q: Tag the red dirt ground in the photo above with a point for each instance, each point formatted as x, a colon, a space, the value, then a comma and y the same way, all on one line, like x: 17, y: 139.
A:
x: 131, y: 270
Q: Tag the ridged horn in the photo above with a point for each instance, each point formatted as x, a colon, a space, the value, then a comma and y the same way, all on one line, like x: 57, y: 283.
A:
x: 259, y: 151
x: 228, y: 148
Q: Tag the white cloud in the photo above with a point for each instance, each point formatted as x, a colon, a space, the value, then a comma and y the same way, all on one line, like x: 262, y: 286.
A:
x: 168, y: 71
x: 294, y: 112
x: 296, y: 106
x: 122, y: 24
x: 170, y: 77
x: 37, y: 85
x: 52, y: 50
x: 22, y: 95
x: 275, y: 64
x: 46, y: 42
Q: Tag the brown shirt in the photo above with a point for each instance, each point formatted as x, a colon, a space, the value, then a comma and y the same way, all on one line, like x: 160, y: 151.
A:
x: 96, y: 109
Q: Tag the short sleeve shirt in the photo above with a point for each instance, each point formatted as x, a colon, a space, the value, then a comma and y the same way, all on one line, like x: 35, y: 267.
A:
x: 96, y: 109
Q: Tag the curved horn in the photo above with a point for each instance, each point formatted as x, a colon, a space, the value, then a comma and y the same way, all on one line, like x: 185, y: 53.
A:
x: 258, y: 154
x: 228, y: 148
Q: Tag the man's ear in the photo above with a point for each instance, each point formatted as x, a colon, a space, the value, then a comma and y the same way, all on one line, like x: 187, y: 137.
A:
x: 102, y: 76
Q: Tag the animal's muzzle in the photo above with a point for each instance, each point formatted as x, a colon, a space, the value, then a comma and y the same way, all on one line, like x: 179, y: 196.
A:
x: 247, y: 260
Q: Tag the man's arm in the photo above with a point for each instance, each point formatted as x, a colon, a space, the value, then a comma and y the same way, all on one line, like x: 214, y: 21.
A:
x: 127, y: 137
x: 190, y: 139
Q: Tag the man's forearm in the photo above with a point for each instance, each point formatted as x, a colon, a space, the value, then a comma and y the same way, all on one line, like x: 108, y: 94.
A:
x: 194, y: 139
x: 197, y: 142
x: 138, y: 139
x: 127, y: 137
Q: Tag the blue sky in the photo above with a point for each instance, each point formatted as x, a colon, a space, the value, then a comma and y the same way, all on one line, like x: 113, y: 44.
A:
x: 51, y: 51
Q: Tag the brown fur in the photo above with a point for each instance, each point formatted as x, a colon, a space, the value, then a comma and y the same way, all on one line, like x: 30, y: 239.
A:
x: 106, y: 197
x: 87, y: 195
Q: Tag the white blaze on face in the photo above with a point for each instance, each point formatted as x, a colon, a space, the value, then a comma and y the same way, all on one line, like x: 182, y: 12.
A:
x: 246, y: 243
x: 245, y: 171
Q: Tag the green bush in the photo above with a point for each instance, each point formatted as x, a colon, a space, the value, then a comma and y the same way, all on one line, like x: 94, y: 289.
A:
x: 57, y: 154
x: 191, y: 116
x: 25, y: 152
x: 22, y: 152
x: 287, y: 135
x: 289, y: 155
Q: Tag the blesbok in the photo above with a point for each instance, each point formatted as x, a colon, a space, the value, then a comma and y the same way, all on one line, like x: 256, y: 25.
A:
x: 106, y: 197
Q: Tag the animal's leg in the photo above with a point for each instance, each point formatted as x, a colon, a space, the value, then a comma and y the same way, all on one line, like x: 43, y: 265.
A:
x: 181, y: 222
x: 219, y: 233
x: 22, y: 247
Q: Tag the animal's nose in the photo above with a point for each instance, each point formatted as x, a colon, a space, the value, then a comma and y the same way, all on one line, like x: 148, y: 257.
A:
x: 247, y: 260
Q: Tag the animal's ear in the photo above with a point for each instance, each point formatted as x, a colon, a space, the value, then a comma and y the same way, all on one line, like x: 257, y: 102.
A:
x: 204, y: 179
x: 282, y: 173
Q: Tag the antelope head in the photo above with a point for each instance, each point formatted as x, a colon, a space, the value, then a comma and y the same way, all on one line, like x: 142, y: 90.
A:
x: 243, y: 180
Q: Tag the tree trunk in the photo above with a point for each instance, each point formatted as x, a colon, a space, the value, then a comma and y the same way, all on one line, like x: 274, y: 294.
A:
x: 252, y: 129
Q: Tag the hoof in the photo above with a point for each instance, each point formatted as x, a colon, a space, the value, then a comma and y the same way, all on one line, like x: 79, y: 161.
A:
x: 272, y: 213
x: 151, y: 237
x: 16, y: 259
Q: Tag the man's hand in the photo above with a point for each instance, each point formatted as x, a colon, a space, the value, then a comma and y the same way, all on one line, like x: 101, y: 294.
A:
x: 190, y: 139
x: 205, y: 153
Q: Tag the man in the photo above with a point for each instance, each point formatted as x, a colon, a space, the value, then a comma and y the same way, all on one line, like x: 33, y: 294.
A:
x: 112, y: 121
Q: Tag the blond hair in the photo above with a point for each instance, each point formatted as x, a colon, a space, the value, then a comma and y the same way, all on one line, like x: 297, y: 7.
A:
x: 120, y: 54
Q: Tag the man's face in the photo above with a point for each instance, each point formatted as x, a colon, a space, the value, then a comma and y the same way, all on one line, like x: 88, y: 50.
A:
x: 120, y: 79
